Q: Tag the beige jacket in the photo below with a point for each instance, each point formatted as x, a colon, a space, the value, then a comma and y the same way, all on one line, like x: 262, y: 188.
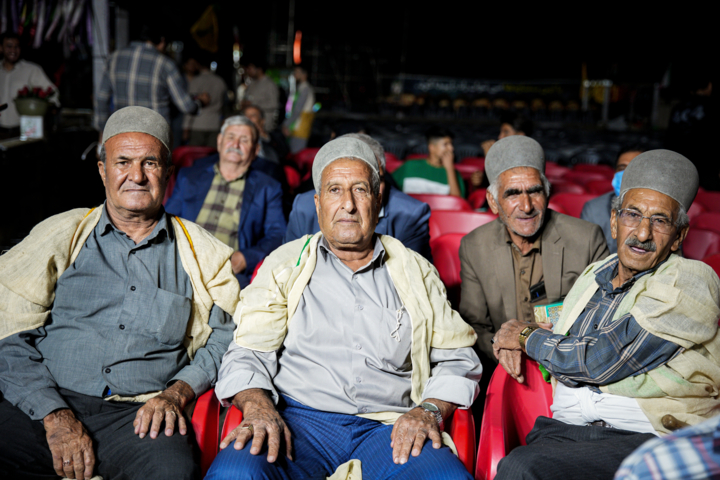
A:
x: 29, y: 271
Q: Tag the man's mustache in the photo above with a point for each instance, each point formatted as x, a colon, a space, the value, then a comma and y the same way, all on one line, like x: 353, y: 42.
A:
x: 234, y: 150
x: 634, y: 242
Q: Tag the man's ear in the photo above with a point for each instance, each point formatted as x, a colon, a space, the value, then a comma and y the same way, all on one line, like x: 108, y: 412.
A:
x: 613, y: 224
x: 493, y: 204
x: 680, y: 238
x: 101, y: 170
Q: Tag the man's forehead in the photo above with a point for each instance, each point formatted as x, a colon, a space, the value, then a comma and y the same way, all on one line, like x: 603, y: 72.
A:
x: 519, y: 175
x: 342, y: 167
x: 650, y: 201
x: 133, y: 141
x: 238, y: 130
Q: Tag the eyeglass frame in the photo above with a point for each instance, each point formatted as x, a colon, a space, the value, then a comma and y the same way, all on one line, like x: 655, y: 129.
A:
x: 643, y: 217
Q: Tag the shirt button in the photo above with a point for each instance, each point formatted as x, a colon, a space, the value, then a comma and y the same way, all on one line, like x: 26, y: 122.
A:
x: 122, y: 327
x: 364, y: 409
x: 358, y: 379
x: 358, y: 346
x: 31, y: 412
x: 360, y: 307
x: 595, y: 326
x: 522, y: 272
x: 107, y: 370
x: 526, y: 299
x: 133, y: 288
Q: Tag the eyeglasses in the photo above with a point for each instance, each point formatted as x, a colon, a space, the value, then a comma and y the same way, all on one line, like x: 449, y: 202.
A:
x: 659, y: 223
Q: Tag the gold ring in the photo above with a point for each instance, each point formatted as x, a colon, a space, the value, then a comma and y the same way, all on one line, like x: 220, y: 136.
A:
x: 249, y: 427
x: 67, y: 462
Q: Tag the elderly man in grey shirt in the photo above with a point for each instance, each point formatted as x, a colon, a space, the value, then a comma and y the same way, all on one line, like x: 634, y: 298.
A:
x: 341, y: 334
x: 113, y: 320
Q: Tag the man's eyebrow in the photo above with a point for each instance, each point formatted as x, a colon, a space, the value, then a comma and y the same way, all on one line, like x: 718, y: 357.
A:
x: 516, y: 191
x: 656, y: 214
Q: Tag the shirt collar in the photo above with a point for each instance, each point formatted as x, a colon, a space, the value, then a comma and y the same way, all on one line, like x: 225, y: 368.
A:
x: 160, y: 231
x: 216, y: 169
x: 605, y: 275
x: 537, y: 244
x: 377, y: 259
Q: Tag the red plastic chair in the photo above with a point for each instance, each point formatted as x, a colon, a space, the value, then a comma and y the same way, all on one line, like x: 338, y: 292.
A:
x: 705, y: 221
x: 460, y: 427
x: 442, y: 202
x: 477, y: 161
x: 206, y: 425
x: 467, y: 170
x: 415, y: 156
x: 599, y: 187
x: 511, y: 409
x: 555, y: 171
x: 696, y: 210
x: 450, y: 221
x: 183, y: 157
x: 305, y: 158
x: 392, y: 164
x: 292, y: 176
x: 477, y: 198
x: 257, y: 267
x: 709, y: 200
x: 714, y: 262
x: 571, y: 203
x: 446, y: 257
x: 564, y: 186
x: 582, y: 178
x: 604, y: 169
x: 701, y: 243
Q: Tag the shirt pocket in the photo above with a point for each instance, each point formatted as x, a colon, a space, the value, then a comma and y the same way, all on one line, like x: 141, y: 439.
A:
x: 395, y: 339
x: 168, y: 317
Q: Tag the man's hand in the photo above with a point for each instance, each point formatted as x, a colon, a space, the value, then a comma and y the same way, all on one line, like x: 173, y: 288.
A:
x: 238, y: 262
x: 447, y: 160
x: 70, y: 445
x: 204, y: 98
x: 507, y: 349
x: 261, y: 422
x: 412, y: 429
x: 511, y: 361
x: 167, y: 407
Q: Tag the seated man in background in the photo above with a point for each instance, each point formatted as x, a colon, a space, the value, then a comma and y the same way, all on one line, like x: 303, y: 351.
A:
x: 511, y: 123
x: 256, y: 115
x: 598, y: 209
x: 401, y: 216
x: 635, y: 352
x: 112, y: 321
x: 342, y: 333
x: 238, y: 204
x: 435, y: 174
x: 530, y: 255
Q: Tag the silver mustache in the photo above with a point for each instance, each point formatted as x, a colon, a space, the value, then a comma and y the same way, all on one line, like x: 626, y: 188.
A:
x: 634, y: 242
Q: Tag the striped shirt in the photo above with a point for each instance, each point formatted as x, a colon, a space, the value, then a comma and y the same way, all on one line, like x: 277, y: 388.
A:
x: 220, y: 213
x: 139, y: 75
x: 598, y: 350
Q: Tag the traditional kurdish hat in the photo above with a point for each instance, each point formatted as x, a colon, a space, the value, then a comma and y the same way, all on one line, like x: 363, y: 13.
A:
x: 512, y: 152
x: 664, y: 171
x: 138, y: 119
x: 342, y: 147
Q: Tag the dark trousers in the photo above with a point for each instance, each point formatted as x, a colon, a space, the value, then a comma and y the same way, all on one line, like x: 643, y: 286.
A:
x: 556, y: 450
x: 119, y: 453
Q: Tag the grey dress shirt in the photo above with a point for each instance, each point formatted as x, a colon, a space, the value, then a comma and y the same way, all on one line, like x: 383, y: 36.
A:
x: 117, y: 326
x: 347, y: 348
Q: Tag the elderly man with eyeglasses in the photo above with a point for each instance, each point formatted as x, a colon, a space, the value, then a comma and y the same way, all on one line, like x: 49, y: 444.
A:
x: 635, y: 352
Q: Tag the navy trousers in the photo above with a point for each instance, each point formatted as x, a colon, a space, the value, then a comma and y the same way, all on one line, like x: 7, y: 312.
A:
x: 322, y: 441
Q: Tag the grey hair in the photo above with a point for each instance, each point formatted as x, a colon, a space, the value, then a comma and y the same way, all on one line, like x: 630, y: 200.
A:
x: 374, y: 176
x: 167, y: 157
x: 493, y: 187
x: 240, y: 120
x: 681, y: 222
x: 374, y: 145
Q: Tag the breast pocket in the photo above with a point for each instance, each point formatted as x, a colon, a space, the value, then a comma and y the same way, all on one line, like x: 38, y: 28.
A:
x: 168, y: 317
x: 395, y: 339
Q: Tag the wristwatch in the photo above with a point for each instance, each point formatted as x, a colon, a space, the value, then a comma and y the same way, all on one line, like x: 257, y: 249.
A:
x: 432, y: 408
x: 525, y: 334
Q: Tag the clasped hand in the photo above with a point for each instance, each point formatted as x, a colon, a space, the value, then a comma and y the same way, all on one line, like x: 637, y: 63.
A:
x: 507, y: 349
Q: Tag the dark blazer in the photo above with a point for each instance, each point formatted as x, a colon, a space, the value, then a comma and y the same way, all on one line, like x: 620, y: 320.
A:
x: 404, y: 218
x: 262, y: 223
x: 486, y: 269
x: 597, y: 211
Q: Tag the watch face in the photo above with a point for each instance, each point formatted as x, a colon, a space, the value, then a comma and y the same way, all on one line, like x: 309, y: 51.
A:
x: 430, y: 407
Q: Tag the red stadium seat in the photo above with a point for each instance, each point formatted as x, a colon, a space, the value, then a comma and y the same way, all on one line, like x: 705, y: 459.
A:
x: 477, y: 198
x: 305, y: 158
x: 477, y: 161
x: 604, y: 169
x: 511, y: 409
x: 599, y: 187
x: 695, y: 210
x: 442, y: 202
x: 415, y: 156
x: 461, y: 427
x: 206, y: 425
x: 257, y: 267
x: 391, y: 156
x: 709, y: 200
x: 701, y: 243
x: 183, y: 157
x: 705, y: 221
x: 553, y: 170
x: 392, y: 164
x: 450, y: 221
x: 293, y: 177
x: 570, y: 202
x: 714, y: 262
x: 563, y: 186
x: 582, y: 178
x: 467, y: 170
x: 446, y: 257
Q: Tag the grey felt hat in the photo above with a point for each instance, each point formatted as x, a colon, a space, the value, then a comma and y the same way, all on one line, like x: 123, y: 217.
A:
x: 342, y: 147
x: 512, y: 152
x: 664, y: 171
x: 138, y: 119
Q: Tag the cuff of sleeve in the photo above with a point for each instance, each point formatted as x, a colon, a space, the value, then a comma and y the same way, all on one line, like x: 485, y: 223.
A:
x: 38, y: 404
x: 239, y: 381
x: 454, y: 389
x: 535, y: 342
x: 195, y: 377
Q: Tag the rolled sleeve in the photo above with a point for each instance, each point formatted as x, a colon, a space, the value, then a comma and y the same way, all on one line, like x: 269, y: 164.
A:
x: 243, y: 369
x: 455, y: 376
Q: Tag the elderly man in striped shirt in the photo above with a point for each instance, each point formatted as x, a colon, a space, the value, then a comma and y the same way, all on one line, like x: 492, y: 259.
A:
x: 636, y: 351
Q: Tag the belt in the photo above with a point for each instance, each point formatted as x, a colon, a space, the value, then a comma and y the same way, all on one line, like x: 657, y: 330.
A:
x: 600, y: 423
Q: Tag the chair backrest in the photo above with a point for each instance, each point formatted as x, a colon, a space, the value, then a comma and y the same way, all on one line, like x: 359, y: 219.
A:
x: 582, y: 178
x: 477, y: 161
x: 714, y: 262
x: 442, y: 202
x: 697, y: 209
x: 709, y: 200
x: 564, y: 186
x: 477, y: 198
x: 510, y: 412
x: 466, y: 170
x: 392, y: 164
x: 701, y: 243
x: 451, y: 221
x: 183, y: 157
x: 446, y: 257
x: 587, y: 167
x: 305, y: 158
x: 413, y: 156
x: 553, y: 170
x: 599, y: 187
x: 293, y: 177
x: 705, y: 221
x: 572, y: 203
